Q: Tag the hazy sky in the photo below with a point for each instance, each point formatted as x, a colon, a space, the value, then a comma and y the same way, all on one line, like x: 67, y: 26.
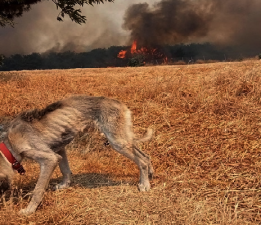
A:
x: 39, y: 31
x: 151, y: 22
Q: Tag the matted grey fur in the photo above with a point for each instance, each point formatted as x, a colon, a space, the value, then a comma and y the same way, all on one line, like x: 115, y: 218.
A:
x: 42, y: 135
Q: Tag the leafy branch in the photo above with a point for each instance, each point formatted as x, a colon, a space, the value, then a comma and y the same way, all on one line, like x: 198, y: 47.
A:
x: 10, y: 9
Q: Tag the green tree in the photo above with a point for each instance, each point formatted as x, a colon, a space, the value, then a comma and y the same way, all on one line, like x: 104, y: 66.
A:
x: 138, y: 60
x: 10, y: 9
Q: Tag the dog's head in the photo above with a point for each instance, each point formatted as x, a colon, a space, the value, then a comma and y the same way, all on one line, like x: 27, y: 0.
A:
x: 6, y: 173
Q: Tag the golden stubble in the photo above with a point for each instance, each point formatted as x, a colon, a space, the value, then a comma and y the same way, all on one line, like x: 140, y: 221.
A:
x: 205, y: 150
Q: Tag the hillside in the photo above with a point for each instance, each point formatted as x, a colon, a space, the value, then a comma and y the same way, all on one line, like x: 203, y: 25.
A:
x: 205, y: 150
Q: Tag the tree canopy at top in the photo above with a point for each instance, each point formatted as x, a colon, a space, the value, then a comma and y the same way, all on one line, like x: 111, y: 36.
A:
x: 10, y: 9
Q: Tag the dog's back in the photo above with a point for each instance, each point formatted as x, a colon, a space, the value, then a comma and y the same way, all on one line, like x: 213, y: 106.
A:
x: 112, y: 117
x: 59, y: 122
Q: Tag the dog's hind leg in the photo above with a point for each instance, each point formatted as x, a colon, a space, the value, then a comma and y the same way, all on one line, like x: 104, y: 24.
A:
x: 65, y: 169
x: 150, y: 167
x: 48, y: 160
x: 115, y: 122
x: 136, y: 155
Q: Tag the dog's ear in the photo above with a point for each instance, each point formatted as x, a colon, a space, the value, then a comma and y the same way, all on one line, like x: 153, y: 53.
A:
x: 6, y: 167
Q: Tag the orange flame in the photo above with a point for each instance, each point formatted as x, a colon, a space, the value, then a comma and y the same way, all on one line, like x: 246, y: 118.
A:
x: 122, y: 54
x: 134, y: 47
x: 144, y: 51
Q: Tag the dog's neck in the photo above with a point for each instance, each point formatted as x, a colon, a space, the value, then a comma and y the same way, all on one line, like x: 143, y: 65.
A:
x: 9, y: 156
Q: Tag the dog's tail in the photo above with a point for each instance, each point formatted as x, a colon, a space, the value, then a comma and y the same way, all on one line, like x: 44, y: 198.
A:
x: 145, y: 138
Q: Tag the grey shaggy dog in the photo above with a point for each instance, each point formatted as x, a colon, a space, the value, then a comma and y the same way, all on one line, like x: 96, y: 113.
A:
x: 42, y: 135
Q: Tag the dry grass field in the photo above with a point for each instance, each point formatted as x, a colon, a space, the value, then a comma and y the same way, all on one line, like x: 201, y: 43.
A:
x: 206, y: 147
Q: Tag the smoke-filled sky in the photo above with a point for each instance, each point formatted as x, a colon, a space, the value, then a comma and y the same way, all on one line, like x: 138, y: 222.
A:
x: 222, y: 22
x: 39, y: 31
x: 153, y: 22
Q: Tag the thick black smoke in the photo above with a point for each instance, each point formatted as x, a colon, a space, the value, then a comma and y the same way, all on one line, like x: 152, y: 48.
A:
x: 222, y: 22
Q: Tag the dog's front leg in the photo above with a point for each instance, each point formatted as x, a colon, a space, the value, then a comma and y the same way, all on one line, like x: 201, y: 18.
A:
x: 65, y: 169
x: 48, y: 161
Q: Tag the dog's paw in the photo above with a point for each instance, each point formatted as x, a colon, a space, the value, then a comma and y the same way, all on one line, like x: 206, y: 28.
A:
x: 144, y: 187
x: 26, y: 212
x: 61, y: 186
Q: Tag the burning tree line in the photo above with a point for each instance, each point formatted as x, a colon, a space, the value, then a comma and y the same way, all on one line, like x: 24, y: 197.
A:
x: 140, y: 56
x: 119, y: 56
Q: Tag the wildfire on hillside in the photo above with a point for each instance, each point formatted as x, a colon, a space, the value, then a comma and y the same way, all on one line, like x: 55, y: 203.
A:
x: 148, y: 53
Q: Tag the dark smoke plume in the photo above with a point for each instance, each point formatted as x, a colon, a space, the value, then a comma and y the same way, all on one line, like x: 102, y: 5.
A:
x: 221, y: 22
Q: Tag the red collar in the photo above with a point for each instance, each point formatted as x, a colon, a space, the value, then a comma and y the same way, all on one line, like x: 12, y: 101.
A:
x: 15, y: 164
